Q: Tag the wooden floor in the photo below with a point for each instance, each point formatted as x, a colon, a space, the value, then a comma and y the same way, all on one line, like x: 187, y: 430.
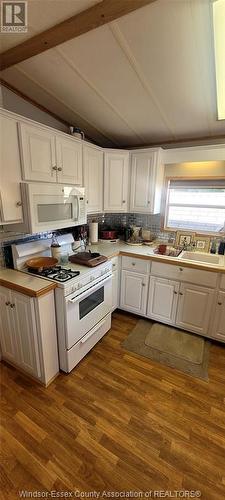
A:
x: 117, y: 422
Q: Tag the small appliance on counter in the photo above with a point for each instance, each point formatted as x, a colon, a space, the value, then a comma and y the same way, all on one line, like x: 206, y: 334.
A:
x: 135, y: 237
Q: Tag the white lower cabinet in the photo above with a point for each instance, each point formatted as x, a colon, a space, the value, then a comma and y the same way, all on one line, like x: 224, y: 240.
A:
x: 134, y: 290
x: 28, y: 333
x: 162, y: 300
x: 194, y: 308
x: 218, y: 330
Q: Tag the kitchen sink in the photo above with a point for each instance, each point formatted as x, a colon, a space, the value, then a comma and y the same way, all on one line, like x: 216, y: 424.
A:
x: 201, y: 257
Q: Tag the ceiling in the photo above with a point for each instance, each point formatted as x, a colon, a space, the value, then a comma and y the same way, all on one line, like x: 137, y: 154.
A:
x: 145, y: 78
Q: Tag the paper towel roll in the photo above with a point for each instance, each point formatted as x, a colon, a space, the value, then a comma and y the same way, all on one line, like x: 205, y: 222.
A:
x: 93, y: 232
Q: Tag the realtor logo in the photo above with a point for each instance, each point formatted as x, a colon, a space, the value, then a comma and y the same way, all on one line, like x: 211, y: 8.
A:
x: 13, y: 17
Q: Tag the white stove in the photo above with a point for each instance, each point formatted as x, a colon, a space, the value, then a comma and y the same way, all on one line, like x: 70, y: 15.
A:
x: 83, y: 299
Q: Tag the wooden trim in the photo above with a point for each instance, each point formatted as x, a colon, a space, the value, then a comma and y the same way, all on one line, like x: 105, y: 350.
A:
x: 30, y: 377
x: 195, y: 141
x: 27, y: 291
x: 97, y: 15
x: 33, y: 102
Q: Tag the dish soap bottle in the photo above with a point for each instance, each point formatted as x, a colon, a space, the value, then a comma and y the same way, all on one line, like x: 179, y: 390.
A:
x: 55, y: 248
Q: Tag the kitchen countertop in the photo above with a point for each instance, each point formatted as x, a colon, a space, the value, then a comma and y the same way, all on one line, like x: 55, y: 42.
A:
x: 147, y: 252
x: 25, y: 283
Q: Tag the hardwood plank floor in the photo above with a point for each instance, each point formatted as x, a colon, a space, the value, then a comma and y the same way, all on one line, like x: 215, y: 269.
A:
x: 117, y: 422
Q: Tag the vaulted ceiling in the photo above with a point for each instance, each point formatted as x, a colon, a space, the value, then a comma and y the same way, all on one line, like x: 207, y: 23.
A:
x: 145, y: 78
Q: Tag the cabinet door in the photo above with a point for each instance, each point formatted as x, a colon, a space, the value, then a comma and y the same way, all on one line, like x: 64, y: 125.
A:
x: 142, y: 188
x: 7, y: 334
x: 26, y: 333
x: 38, y: 153
x: 194, y: 308
x: 116, y: 181
x: 69, y: 160
x: 115, y: 290
x: 219, y: 324
x: 162, y: 301
x: 10, y: 173
x: 134, y: 290
x: 93, y: 179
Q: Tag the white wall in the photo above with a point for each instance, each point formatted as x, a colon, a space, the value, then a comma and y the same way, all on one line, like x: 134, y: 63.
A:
x: 13, y: 102
x: 196, y: 169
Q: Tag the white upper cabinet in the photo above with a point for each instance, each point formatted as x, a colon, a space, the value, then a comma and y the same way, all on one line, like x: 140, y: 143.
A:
x: 49, y: 157
x: 146, y: 181
x: 38, y: 153
x: 93, y: 178
x: 116, y: 169
x: 10, y: 173
x: 69, y: 160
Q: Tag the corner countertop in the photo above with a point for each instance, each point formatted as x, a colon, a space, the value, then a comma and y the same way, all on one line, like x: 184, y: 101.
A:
x: 25, y: 283
x: 147, y: 252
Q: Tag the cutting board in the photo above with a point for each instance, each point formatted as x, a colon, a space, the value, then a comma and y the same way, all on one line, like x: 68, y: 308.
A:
x: 84, y: 259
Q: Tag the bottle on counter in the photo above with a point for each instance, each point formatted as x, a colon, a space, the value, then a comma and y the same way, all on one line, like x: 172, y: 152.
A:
x: 221, y: 249
x: 55, y: 248
x: 213, y: 247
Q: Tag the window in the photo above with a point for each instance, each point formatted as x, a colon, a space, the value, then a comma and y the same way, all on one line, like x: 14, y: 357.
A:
x: 198, y: 205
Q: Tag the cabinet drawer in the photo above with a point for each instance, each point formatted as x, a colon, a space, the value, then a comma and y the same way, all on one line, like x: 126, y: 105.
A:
x: 136, y: 265
x: 84, y: 345
x: 190, y: 275
x: 222, y: 283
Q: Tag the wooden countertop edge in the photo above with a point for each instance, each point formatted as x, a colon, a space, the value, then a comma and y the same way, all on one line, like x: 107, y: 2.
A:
x: 27, y: 291
x: 167, y: 260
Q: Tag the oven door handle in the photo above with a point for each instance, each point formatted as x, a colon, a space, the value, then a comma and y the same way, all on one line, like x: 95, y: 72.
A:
x: 86, y: 337
x: 90, y: 290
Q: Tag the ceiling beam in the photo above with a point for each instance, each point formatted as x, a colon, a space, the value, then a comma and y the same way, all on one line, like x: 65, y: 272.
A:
x: 98, y: 15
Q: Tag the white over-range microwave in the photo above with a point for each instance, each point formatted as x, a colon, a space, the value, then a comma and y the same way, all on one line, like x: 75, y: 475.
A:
x: 47, y: 207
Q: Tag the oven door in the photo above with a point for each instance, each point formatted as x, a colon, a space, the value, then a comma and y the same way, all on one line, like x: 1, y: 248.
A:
x: 87, y: 309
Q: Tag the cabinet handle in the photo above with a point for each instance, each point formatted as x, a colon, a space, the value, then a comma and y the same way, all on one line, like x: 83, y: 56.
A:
x: 133, y: 263
x: 59, y: 169
x: 149, y: 202
x: 7, y: 303
x: 19, y: 204
x: 12, y: 306
x: 124, y: 201
x: 180, y: 268
x: 54, y: 168
x: 175, y: 293
x: 87, y: 202
x: 143, y: 284
x: 180, y: 293
x: 219, y: 303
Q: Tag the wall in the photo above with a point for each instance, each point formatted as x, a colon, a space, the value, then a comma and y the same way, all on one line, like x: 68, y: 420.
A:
x: 11, y: 101
x: 196, y: 169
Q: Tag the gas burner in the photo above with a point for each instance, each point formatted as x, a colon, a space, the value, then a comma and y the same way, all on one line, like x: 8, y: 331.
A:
x: 56, y: 273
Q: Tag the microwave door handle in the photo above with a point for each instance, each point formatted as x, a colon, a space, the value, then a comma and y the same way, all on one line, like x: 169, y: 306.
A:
x: 90, y: 290
x: 78, y: 208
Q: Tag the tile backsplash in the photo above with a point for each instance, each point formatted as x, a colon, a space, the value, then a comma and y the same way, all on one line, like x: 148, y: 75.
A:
x: 114, y: 220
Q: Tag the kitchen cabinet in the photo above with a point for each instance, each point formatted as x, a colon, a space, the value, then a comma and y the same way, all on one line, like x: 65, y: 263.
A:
x: 49, y: 157
x: 162, y: 300
x: 9, y: 348
x: 115, y: 290
x: 194, y: 308
x: 69, y: 160
x: 116, y: 169
x: 28, y: 333
x: 146, y: 181
x: 93, y: 178
x: 134, y: 290
x: 10, y: 172
x: 218, y: 330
